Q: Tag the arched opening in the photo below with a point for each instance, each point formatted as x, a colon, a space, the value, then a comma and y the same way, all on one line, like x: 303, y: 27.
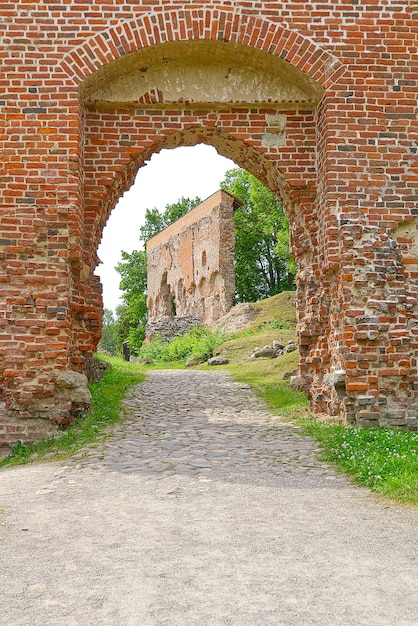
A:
x: 262, y: 118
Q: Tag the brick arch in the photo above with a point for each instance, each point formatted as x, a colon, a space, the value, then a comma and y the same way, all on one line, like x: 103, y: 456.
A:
x: 121, y: 164
x: 212, y: 24
x: 358, y: 238
x: 289, y: 172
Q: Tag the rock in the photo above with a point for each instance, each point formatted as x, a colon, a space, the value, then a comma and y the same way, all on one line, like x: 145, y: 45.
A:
x: 96, y: 369
x: 168, y: 327
x: 278, y: 345
x: 80, y: 397
x: 70, y: 380
x: 195, y: 360
x: 267, y: 352
x: 72, y: 386
x: 239, y: 317
x: 291, y: 347
x: 71, y: 398
x: 217, y: 360
x: 297, y: 383
x: 335, y: 379
x: 288, y: 375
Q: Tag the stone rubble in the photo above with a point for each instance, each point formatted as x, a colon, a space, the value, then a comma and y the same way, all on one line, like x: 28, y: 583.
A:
x: 274, y: 350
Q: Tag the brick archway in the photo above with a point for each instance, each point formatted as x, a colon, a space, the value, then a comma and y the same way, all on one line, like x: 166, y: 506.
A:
x: 337, y: 144
x: 212, y: 23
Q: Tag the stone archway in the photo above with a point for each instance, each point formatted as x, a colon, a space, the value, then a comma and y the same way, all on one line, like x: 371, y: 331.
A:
x: 278, y: 102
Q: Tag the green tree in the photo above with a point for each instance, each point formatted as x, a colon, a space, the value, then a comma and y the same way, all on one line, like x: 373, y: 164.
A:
x: 109, y: 341
x: 132, y: 316
x: 263, y: 263
x: 155, y: 221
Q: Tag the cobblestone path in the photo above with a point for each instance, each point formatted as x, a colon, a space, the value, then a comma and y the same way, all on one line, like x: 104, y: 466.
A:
x: 201, y: 509
x: 202, y: 424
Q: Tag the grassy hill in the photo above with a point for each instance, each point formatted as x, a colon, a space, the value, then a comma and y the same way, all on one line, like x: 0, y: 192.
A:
x: 276, y: 311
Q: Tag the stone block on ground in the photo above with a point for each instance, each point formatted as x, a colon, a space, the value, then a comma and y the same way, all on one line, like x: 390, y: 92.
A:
x: 217, y: 360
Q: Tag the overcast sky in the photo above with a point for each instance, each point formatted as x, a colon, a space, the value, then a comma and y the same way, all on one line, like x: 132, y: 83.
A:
x: 171, y: 174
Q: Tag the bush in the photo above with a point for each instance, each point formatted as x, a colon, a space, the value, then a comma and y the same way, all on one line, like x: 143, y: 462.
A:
x: 198, y: 343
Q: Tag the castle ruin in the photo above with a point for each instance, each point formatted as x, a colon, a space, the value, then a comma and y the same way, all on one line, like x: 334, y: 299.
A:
x: 190, y: 267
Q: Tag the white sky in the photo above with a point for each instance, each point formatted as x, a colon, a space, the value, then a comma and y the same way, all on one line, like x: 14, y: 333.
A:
x: 171, y: 174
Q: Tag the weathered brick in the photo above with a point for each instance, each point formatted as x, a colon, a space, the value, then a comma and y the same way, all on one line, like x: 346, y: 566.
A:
x: 345, y: 167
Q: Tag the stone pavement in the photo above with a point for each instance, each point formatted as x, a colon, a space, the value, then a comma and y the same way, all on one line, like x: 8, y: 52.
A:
x: 204, y: 425
x: 201, y: 509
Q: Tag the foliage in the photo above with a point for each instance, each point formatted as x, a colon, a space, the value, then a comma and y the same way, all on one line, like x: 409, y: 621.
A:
x: 133, y: 314
x: 156, y: 221
x: 198, y: 343
x: 109, y: 341
x: 263, y: 263
x: 123, y: 326
x: 107, y: 395
x: 384, y: 460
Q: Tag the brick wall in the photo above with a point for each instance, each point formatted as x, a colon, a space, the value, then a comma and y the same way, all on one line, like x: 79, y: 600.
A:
x: 344, y: 162
x: 190, y: 264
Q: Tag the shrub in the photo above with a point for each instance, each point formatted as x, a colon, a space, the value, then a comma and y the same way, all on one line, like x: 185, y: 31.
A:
x: 197, y: 343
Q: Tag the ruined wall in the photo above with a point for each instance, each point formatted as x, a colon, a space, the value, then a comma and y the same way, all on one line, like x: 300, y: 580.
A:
x: 190, y: 264
x: 317, y: 99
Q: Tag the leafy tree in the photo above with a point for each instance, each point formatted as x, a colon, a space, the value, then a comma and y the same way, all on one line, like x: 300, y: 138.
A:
x: 132, y: 316
x: 109, y: 341
x: 153, y: 224
x: 263, y: 263
x: 156, y: 221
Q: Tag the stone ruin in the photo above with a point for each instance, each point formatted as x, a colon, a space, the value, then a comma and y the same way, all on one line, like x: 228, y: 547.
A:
x: 191, y: 277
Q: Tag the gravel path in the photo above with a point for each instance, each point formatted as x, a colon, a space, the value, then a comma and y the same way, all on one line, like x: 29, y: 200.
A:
x: 201, y: 509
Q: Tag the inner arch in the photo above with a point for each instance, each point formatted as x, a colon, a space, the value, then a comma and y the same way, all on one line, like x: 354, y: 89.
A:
x: 243, y: 154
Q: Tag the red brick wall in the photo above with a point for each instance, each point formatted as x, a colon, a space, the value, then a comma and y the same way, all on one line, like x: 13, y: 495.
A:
x: 347, y: 173
x: 191, y: 263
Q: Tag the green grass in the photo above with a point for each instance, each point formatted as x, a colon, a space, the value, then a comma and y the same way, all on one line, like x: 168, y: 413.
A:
x: 107, y: 394
x: 280, y: 307
x: 384, y: 460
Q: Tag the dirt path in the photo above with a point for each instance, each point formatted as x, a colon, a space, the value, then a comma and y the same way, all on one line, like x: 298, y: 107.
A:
x: 201, y: 510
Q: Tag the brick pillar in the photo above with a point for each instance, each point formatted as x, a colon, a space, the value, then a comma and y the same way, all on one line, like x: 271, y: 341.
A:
x: 40, y: 229
x: 366, y: 367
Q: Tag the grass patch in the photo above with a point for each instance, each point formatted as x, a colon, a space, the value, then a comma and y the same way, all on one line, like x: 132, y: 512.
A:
x: 237, y: 349
x: 107, y: 394
x: 384, y: 460
x: 261, y: 328
x: 280, y: 307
